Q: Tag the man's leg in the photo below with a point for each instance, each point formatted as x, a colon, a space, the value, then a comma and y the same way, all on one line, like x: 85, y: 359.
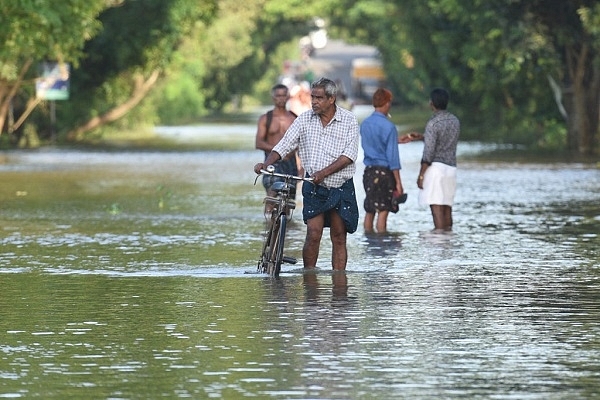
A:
x: 448, y: 217
x: 267, y: 182
x: 442, y: 217
x: 314, y: 232
x: 368, y: 225
x: 437, y: 212
x: 382, y: 217
x: 339, y: 256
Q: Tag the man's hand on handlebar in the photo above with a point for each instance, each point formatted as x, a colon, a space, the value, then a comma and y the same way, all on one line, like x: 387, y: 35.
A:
x: 262, y: 168
x: 258, y: 167
x: 318, y: 177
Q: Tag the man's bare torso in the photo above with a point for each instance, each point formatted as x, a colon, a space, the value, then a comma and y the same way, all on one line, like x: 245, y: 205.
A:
x: 270, y: 133
x: 279, y: 125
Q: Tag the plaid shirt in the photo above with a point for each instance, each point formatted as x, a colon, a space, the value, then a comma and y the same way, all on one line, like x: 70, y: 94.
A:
x: 320, y: 146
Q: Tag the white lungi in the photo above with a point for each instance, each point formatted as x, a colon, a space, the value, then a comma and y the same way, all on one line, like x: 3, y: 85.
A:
x: 439, y: 185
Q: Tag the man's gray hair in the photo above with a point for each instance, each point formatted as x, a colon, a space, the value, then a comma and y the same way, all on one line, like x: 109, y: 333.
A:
x: 327, y: 85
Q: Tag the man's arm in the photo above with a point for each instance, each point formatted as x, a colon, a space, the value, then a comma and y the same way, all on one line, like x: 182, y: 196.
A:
x: 409, y: 137
x: 337, y: 165
x: 424, y: 166
x: 271, y: 158
x: 261, y: 135
x: 429, y: 140
x: 398, y: 179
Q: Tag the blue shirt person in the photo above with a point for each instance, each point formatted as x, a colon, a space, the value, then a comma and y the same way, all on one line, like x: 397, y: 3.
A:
x: 381, y: 179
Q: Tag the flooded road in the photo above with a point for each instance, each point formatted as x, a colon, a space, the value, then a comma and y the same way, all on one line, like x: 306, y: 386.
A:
x: 129, y: 275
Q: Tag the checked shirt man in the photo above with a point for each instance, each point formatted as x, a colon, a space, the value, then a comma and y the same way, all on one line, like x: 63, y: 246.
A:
x: 327, y: 139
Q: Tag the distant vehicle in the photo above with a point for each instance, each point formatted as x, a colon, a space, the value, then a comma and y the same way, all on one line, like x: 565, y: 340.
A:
x: 367, y: 75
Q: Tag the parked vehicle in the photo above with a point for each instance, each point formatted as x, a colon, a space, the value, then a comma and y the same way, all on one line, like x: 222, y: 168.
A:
x: 367, y: 75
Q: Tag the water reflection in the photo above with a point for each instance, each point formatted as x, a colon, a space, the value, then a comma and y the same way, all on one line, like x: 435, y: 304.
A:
x: 382, y: 245
x: 313, y: 290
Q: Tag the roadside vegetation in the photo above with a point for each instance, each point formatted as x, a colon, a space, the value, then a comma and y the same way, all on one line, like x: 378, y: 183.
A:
x: 521, y: 72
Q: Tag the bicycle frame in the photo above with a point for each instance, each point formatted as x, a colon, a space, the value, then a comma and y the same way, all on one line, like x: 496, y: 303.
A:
x: 280, y: 209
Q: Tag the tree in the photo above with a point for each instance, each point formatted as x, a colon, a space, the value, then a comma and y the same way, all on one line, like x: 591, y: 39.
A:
x: 549, y: 39
x: 123, y: 62
x: 572, y: 27
x: 505, y: 61
x: 32, y: 31
x: 238, y: 46
x: 136, y: 44
x: 232, y: 43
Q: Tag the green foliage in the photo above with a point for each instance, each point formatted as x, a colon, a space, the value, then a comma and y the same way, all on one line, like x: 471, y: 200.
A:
x: 590, y: 18
x: 552, y: 135
x: 287, y: 51
x: 41, y: 30
x: 33, y: 31
x: 239, y: 46
x: 179, y: 98
x: 30, y: 139
x: 229, y: 47
x: 229, y: 43
x: 209, y: 52
x: 495, y: 57
x: 179, y: 101
x: 137, y: 38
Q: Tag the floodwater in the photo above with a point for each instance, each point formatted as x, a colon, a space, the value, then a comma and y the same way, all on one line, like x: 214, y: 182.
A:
x: 129, y: 275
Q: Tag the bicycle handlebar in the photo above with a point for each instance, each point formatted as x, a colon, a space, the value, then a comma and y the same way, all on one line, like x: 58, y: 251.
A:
x: 285, y: 176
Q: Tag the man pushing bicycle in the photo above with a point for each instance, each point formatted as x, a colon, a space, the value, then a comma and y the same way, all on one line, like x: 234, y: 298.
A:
x: 327, y: 139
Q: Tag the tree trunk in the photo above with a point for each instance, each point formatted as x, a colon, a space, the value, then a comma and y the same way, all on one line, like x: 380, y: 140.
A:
x: 583, y: 102
x: 140, y: 90
x: 8, y: 91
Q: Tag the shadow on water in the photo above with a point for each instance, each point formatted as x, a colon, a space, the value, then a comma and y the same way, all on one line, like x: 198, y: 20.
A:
x: 124, y: 275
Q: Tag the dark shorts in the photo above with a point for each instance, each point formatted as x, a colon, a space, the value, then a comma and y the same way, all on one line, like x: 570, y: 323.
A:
x: 379, y: 184
x: 321, y: 200
x: 287, y: 167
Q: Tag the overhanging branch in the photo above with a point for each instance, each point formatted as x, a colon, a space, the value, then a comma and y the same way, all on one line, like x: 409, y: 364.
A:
x: 141, y: 89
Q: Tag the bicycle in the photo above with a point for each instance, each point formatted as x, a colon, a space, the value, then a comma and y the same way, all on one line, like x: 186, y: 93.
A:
x: 278, y: 211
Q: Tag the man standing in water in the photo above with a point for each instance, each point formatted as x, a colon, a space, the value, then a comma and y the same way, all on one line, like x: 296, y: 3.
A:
x: 379, y: 138
x: 327, y: 140
x: 271, y: 127
x: 437, y: 177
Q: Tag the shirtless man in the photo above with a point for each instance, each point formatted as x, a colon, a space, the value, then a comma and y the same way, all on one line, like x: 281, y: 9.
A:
x: 271, y: 127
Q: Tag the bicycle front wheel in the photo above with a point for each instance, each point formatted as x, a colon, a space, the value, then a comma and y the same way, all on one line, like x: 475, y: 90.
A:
x: 278, y: 244
x: 266, y: 264
x: 272, y: 254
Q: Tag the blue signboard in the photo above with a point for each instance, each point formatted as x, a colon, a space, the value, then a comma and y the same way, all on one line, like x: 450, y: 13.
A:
x: 53, y: 83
